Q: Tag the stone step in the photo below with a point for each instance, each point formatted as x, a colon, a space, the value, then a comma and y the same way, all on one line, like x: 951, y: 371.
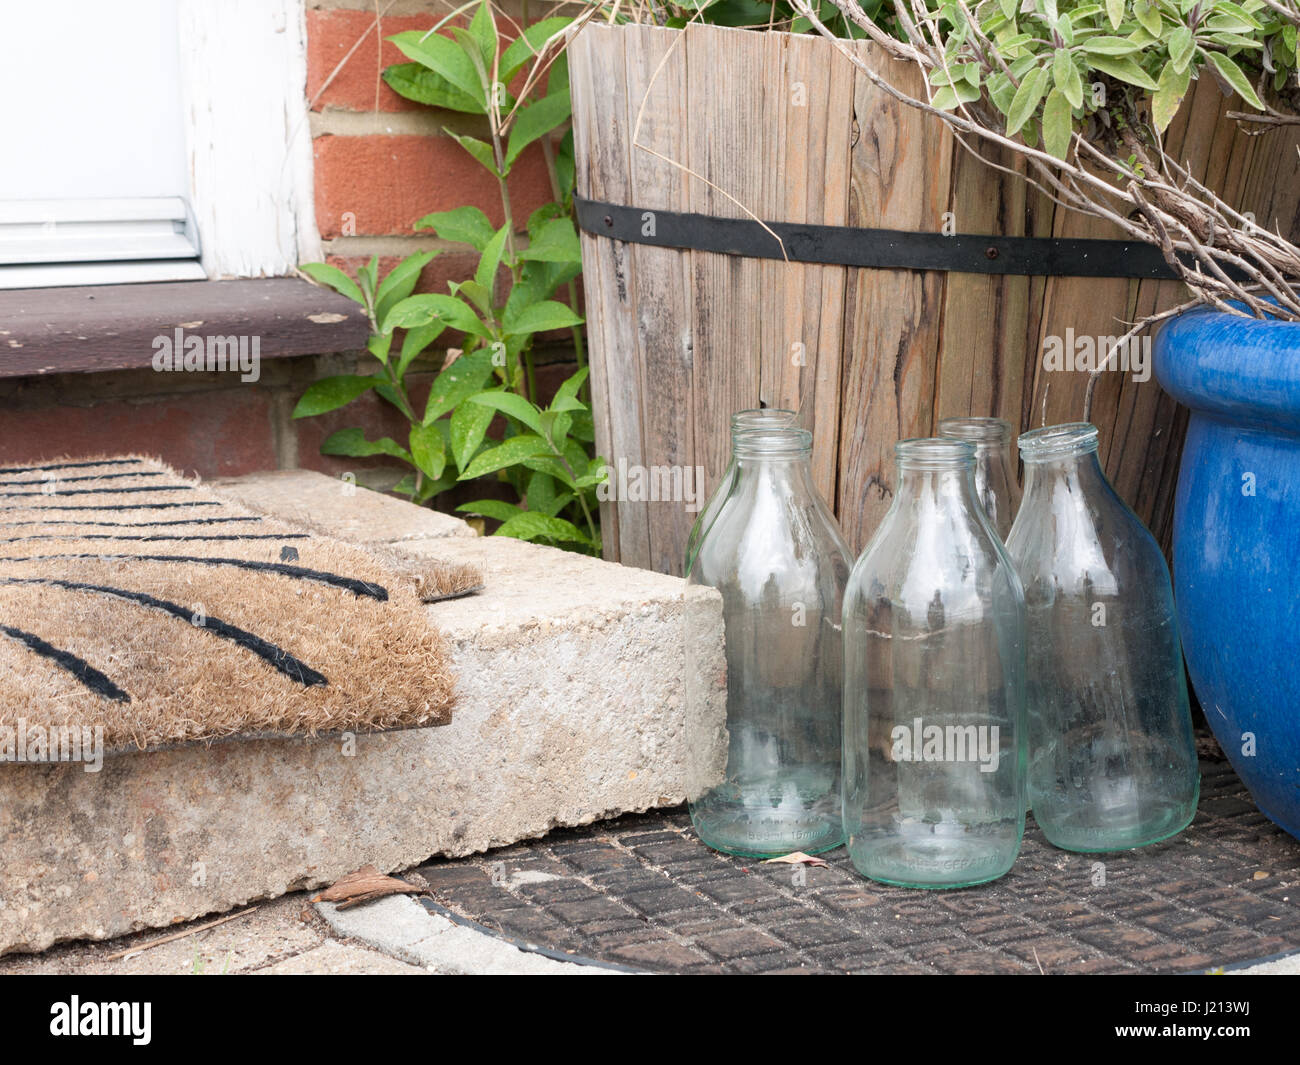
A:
x: 571, y: 673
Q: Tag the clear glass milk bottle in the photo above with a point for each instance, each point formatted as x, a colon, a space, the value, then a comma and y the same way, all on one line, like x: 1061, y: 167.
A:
x: 995, y: 466
x: 934, y: 684
x: 1112, y: 760
x: 758, y: 418
x: 776, y: 557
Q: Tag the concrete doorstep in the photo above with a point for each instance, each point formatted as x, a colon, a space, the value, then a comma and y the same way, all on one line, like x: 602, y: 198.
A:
x: 570, y: 674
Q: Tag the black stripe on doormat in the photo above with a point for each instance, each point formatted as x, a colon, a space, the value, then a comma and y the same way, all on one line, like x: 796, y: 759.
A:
x: 276, y: 657
x: 102, y: 491
x: 350, y: 584
x: 72, y: 465
x: 152, y: 537
x: 125, y: 524
x: 88, y: 477
x: 131, y: 506
x: 66, y: 660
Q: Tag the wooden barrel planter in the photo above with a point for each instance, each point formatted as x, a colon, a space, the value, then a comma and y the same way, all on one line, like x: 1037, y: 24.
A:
x: 787, y: 127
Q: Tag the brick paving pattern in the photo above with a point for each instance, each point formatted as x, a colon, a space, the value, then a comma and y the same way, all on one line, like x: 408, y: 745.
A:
x: 642, y: 891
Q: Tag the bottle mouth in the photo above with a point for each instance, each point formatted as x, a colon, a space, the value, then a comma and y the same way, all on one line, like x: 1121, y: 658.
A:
x: 984, y: 431
x: 762, y: 418
x: 934, y: 453
x: 1055, y: 441
x: 767, y: 443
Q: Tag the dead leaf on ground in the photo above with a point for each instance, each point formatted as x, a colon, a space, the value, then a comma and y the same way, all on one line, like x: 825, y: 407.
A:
x: 365, y: 885
x: 797, y: 858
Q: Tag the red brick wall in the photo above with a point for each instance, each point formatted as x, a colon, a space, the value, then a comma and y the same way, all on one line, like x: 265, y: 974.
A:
x: 381, y: 163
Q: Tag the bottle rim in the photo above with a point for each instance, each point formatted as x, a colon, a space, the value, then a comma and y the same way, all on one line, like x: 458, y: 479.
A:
x: 1056, y: 441
x: 976, y: 430
x: 762, y: 418
x: 934, y: 453
x: 762, y: 443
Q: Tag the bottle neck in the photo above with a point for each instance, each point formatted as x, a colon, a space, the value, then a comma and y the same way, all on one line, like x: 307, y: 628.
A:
x: 950, y: 486
x: 1077, y: 473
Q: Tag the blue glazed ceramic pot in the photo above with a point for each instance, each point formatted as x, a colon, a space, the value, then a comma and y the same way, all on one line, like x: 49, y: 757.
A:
x: 1237, y: 540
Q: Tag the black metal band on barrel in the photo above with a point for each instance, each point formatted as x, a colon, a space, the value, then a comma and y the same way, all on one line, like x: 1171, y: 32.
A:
x: 888, y: 249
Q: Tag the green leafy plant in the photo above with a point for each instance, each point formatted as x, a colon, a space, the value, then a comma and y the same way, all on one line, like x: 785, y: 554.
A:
x: 1085, y: 90
x: 544, y: 451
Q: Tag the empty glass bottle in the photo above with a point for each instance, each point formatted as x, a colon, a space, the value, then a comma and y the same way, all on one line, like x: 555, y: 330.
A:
x: 758, y: 418
x: 771, y: 778
x: 995, y: 467
x: 1112, y: 761
x: 934, y: 684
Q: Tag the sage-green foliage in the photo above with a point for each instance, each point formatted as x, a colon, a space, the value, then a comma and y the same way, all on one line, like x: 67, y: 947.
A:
x: 544, y: 453
x: 1055, y: 51
x: 1037, y: 61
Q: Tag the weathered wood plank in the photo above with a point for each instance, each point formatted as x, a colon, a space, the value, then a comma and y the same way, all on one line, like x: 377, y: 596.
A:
x: 656, y: 96
x: 728, y: 146
x: 900, y: 180
x: 601, y: 142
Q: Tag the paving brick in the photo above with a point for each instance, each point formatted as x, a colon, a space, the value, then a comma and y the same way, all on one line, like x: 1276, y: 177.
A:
x: 733, y: 945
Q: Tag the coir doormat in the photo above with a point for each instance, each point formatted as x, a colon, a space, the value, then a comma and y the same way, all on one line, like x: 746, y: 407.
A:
x: 136, y: 601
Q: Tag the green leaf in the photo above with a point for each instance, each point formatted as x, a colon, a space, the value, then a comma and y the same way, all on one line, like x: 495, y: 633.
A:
x: 353, y: 442
x: 399, y: 283
x: 486, y: 274
x: 553, y: 467
x: 512, y: 404
x: 524, y: 48
x: 335, y: 279
x: 1025, y: 102
x: 416, y: 340
x: 457, y: 382
x: 555, y: 241
x: 483, y: 31
x: 480, y: 150
x: 539, y: 317
x: 536, y: 120
x: 425, y: 86
x: 429, y: 307
x: 443, y: 56
x: 1115, y: 12
x: 469, y: 423
x: 1169, y: 94
x: 510, y: 453
x: 479, y: 296
x: 379, y: 345
x: 1149, y: 16
x: 330, y: 393
x: 1230, y: 12
x: 1233, y: 76
x: 1124, y: 70
x: 950, y: 96
x: 542, y: 497
x: 569, y: 389
x: 530, y: 526
x: 464, y: 225
x: 1110, y: 46
x: 1182, y: 46
x: 367, y: 278
x: 1056, y: 124
x: 428, y: 449
x: 497, y: 509
x: 1065, y: 75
